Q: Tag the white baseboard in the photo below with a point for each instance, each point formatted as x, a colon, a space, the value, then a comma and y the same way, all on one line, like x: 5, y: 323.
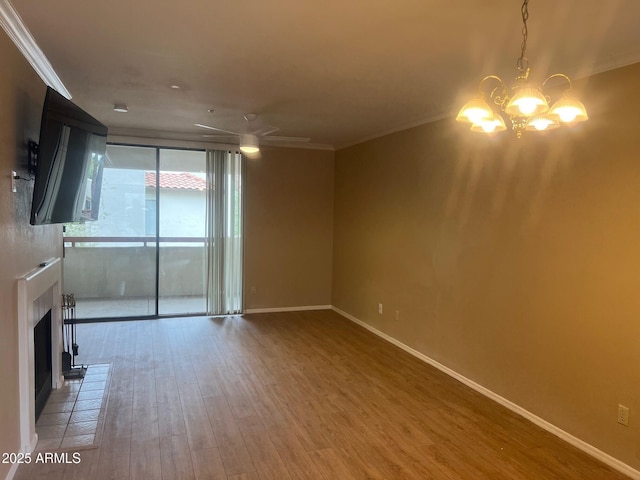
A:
x: 27, y: 449
x: 12, y: 471
x: 287, y: 309
x: 567, y: 437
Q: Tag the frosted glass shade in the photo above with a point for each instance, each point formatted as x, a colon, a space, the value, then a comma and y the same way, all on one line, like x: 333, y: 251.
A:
x: 474, y: 111
x: 569, y: 109
x: 542, y: 122
x: 493, y: 124
x: 527, y: 101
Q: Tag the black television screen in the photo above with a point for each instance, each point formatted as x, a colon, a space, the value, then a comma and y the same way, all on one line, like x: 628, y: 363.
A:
x: 70, y: 160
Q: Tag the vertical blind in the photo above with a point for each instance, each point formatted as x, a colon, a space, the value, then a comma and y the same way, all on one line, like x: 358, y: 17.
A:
x: 224, y: 232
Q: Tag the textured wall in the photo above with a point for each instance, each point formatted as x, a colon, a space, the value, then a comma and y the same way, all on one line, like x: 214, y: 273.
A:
x: 22, y: 247
x: 514, y: 262
x: 288, y: 228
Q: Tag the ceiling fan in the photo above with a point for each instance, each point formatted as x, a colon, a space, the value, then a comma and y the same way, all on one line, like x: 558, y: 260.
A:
x: 250, y: 135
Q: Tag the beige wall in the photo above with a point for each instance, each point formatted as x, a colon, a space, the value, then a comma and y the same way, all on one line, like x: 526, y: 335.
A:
x: 515, y: 263
x: 22, y: 247
x: 288, y: 228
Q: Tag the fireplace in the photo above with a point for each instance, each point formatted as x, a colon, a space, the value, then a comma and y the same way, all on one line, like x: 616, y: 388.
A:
x: 39, y: 323
x: 42, y: 361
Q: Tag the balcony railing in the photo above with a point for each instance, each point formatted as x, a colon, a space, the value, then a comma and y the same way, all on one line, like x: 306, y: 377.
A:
x: 145, y: 241
x: 124, y: 267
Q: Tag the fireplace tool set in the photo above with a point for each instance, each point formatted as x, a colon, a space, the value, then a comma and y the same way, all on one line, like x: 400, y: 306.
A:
x: 70, y: 352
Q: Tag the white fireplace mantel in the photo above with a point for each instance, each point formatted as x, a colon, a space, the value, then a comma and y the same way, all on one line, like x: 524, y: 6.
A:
x: 37, y: 290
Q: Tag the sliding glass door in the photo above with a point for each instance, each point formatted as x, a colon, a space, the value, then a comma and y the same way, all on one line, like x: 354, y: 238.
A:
x: 182, y: 202
x: 168, y: 239
x: 110, y: 264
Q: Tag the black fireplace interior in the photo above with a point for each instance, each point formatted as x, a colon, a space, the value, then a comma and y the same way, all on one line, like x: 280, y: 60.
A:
x: 42, y: 361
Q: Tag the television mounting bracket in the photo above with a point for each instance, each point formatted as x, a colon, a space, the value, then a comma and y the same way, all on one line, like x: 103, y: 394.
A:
x: 32, y: 156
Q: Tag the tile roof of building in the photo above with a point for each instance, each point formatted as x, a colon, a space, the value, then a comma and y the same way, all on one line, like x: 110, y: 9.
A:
x: 178, y: 180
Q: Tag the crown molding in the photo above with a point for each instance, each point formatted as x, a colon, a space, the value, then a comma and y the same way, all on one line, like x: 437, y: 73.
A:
x: 423, y: 120
x: 611, y: 62
x: 22, y: 38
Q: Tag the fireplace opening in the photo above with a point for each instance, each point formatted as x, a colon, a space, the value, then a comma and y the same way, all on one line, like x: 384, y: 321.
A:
x: 42, y: 361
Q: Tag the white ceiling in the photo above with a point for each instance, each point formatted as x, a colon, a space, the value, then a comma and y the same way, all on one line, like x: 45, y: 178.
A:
x: 339, y: 72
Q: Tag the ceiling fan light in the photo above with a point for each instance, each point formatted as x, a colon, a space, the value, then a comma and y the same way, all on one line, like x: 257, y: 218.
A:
x: 527, y: 101
x: 569, y: 109
x: 474, y: 111
x: 249, y: 143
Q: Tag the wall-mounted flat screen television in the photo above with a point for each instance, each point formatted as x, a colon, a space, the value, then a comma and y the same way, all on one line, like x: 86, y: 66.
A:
x: 70, y: 161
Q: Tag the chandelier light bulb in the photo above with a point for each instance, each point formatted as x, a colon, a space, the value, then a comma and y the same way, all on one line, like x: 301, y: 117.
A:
x: 526, y: 101
x: 476, y: 115
x: 541, y: 124
x: 527, y: 106
x: 567, y: 114
x: 493, y: 124
x: 489, y: 126
x: 474, y: 111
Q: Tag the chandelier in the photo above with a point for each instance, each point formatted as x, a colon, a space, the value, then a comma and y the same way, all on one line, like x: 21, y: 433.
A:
x: 525, y: 106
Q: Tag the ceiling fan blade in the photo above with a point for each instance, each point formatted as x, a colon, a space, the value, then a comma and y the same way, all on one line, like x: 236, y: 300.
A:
x: 277, y: 138
x: 229, y: 138
x: 264, y: 130
x: 254, y: 127
x: 209, y: 127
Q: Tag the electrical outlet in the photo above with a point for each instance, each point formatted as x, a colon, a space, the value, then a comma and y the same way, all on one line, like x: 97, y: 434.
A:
x: 397, y: 315
x: 14, y: 188
x: 623, y: 415
x: 253, y: 290
x: 380, y: 308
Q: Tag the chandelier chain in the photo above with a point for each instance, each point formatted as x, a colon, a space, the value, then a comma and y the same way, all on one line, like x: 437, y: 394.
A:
x: 522, y: 62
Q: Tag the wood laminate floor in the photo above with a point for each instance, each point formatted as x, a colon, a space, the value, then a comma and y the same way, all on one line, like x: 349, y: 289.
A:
x: 305, y: 395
